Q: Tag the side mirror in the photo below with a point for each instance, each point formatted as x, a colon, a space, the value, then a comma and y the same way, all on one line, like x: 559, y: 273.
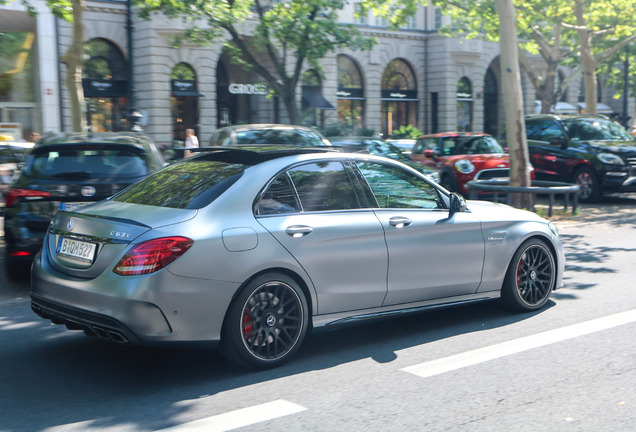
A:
x: 559, y: 142
x: 457, y: 204
x: 429, y: 153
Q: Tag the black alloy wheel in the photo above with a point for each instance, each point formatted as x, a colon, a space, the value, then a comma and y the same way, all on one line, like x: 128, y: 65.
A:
x: 266, y: 323
x: 530, y: 277
x: 590, y: 189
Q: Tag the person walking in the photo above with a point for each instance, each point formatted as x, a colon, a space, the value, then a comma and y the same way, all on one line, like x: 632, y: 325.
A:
x: 191, y: 141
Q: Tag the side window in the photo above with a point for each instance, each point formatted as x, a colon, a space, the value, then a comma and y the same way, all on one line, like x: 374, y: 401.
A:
x: 543, y: 130
x: 396, y: 188
x: 324, y: 186
x: 431, y: 144
x: 418, y: 148
x: 449, y: 146
x: 279, y: 198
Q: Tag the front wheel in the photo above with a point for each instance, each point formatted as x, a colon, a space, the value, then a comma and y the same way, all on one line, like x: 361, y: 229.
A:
x: 266, y: 323
x: 530, y: 277
x: 590, y: 188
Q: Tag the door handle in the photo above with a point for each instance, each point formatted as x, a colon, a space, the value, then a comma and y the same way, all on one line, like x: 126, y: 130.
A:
x: 400, y: 222
x: 298, y: 230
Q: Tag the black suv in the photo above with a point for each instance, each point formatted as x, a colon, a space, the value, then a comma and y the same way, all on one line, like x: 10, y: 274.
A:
x: 68, y: 171
x: 592, y: 151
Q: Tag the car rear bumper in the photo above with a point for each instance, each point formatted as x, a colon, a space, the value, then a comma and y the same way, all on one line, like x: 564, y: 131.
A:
x: 143, y: 310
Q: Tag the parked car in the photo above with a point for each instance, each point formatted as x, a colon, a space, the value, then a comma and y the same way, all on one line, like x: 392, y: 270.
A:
x: 404, y: 144
x: 251, y: 134
x: 379, y: 147
x: 590, y: 150
x: 252, y: 249
x: 67, y: 171
x: 461, y: 157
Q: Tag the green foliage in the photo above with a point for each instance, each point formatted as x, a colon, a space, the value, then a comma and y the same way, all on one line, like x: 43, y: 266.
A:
x: 406, y: 132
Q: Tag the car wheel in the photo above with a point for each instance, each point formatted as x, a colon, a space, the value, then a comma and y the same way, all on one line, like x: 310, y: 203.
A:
x: 449, y: 182
x: 266, y: 323
x: 590, y: 189
x: 530, y: 277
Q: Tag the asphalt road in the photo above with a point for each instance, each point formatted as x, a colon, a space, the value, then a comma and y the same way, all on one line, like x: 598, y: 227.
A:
x: 569, y: 367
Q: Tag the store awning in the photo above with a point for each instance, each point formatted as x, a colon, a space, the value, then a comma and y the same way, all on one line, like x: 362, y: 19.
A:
x: 601, y: 108
x: 317, y: 101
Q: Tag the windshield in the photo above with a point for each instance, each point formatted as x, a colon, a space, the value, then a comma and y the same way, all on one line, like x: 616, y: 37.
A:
x: 382, y: 148
x: 595, y: 129
x: 94, y: 163
x: 467, y: 145
x: 279, y: 136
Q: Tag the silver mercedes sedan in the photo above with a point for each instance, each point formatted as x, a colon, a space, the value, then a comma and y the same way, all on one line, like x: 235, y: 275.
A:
x: 250, y: 249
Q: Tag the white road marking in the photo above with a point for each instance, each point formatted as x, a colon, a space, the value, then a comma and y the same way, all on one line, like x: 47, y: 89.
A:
x: 240, y: 418
x: 470, y: 358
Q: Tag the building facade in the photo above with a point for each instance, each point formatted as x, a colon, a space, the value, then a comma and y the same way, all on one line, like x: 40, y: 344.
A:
x: 412, y: 77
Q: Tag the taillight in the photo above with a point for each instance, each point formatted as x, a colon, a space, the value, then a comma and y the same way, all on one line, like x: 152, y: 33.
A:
x: 14, y: 195
x: 152, y: 255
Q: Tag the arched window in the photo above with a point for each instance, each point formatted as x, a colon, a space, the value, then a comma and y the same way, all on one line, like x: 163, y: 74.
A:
x: 313, y: 102
x: 399, y: 97
x: 185, y: 101
x: 350, y: 94
x: 106, y: 86
x: 464, y: 105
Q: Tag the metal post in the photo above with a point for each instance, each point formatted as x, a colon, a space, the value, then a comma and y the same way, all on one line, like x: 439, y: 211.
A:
x: 134, y: 116
x: 625, y: 119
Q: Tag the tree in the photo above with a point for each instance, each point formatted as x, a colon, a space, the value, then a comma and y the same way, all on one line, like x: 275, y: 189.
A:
x: 274, y: 39
x: 71, y: 11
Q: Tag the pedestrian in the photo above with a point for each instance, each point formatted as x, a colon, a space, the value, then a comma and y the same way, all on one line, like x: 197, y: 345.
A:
x: 191, y: 141
x: 34, y: 136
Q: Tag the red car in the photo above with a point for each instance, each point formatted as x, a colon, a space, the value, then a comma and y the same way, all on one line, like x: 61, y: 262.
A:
x: 460, y: 157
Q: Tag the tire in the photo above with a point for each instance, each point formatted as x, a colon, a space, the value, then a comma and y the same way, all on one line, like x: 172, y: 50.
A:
x: 588, y: 181
x: 530, y: 278
x: 449, y: 182
x: 266, y: 323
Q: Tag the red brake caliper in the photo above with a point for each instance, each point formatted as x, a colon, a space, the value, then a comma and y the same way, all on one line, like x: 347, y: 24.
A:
x: 248, y: 325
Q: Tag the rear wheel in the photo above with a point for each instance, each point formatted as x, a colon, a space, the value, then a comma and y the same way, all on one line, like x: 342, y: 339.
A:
x: 530, y: 277
x: 590, y: 188
x: 266, y: 323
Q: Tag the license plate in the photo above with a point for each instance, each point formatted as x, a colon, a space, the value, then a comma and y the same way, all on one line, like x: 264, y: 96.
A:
x: 72, y: 206
x: 80, y: 250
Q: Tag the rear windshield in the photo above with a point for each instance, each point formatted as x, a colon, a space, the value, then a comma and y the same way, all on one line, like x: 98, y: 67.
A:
x: 187, y: 185
x: 279, y: 136
x: 93, y: 163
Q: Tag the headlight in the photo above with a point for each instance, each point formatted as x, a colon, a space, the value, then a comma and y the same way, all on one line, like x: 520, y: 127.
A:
x: 553, y: 228
x: 464, y: 166
x: 610, y: 158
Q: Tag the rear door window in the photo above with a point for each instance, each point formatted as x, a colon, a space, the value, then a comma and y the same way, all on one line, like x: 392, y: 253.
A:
x: 324, y: 186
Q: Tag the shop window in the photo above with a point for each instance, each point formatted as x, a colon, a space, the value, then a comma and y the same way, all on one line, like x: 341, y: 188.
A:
x: 350, y: 95
x: 184, y: 101
x: 399, y: 97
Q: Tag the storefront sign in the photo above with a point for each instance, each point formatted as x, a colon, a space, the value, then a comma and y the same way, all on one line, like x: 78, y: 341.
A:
x: 182, y: 85
x: 405, y: 95
x: 350, y: 93
x: 104, y: 88
x: 248, y: 89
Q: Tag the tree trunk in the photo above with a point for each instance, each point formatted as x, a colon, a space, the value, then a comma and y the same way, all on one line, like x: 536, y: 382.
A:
x: 73, y: 61
x: 588, y: 62
x: 513, y: 103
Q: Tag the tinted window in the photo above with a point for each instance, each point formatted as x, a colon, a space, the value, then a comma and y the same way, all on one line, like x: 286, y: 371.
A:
x: 542, y: 130
x: 475, y: 145
x: 589, y: 129
x: 279, y: 198
x: 396, y: 188
x: 190, y: 185
x: 324, y: 186
x: 87, y: 163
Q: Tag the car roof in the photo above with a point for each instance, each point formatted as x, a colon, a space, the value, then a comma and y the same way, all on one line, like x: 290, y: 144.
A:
x: 255, y: 154
x: 258, y: 126
x: 453, y: 134
x: 566, y: 116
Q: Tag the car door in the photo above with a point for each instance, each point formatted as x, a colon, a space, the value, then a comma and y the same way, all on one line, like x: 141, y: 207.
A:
x: 314, y: 211
x: 431, y: 255
x: 548, y: 159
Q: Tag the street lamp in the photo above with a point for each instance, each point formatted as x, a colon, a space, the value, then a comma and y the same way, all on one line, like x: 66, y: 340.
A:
x: 134, y: 116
